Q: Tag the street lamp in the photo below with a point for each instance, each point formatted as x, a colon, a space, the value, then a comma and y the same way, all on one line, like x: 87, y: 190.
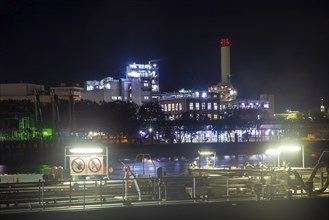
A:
x: 208, y: 153
x: 285, y: 148
x: 272, y: 152
x: 292, y: 148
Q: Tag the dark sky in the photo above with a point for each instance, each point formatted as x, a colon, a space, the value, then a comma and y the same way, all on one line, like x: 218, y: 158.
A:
x: 277, y: 46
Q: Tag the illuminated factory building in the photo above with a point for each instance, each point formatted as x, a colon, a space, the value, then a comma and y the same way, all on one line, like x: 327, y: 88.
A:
x: 223, y: 93
x: 139, y: 86
x: 198, y: 104
x: 146, y: 72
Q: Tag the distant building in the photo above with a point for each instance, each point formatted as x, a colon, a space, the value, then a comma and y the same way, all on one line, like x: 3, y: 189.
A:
x: 65, y: 91
x: 199, y: 103
x: 148, y: 71
x: 23, y: 91
x: 268, y: 98
x: 225, y: 88
x: 105, y: 90
x: 139, y: 86
x: 288, y: 115
x: 266, y: 103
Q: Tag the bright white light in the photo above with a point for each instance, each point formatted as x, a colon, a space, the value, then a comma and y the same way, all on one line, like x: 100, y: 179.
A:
x: 272, y: 151
x: 86, y: 150
x: 206, y: 152
x: 204, y: 95
x: 134, y: 74
x: 289, y: 148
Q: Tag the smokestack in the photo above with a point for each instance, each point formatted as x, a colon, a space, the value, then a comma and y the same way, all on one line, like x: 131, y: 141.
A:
x: 225, y: 61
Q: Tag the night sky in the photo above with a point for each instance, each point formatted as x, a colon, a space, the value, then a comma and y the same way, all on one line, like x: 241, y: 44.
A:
x: 278, y: 47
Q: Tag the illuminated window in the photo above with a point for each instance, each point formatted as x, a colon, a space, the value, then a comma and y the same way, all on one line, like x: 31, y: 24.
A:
x: 209, y: 116
x: 266, y: 105
x: 191, y: 106
x: 203, y: 106
x: 180, y: 107
x: 176, y: 106
x: 169, y: 107
x: 165, y: 107
x: 215, y: 106
x: 146, y: 98
x: 146, y: 83
x: 197, y: 106
x: 114, y: 97
x: 209, y: 105
x: 215, y: 116
x: 172, y: 106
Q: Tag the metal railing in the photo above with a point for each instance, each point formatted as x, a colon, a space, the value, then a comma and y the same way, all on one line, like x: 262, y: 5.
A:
x: 44, y: 195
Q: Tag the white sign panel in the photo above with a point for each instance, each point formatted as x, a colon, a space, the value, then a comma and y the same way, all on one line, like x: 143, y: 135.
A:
x: 95, y: 166
x: 86, y: 165
x: 78, y: 166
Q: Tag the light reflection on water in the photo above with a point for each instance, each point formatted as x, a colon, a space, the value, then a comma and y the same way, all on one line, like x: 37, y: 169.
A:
x: 173, y: 166
x: 178, y: 166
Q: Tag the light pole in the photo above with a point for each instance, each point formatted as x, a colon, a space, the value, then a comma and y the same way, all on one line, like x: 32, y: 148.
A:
x: 285, y: 148
x: 291, y: 148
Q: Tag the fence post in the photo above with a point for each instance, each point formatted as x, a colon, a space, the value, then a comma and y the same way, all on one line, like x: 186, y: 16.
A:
x: 227, y: 191
x: 84, y: 193
x: 43, y: 188
x: 125, y: 189
x: 194, y: 187
x: 101, y: 191
x: 70, y: 195
x: 159, y: 184
x: 39, y: 192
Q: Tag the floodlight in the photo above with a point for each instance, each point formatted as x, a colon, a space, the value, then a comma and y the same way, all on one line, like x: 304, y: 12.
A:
x: 86, y: 150
x: 272, y: 151
x: 206, y: 152
x: 289, y: 148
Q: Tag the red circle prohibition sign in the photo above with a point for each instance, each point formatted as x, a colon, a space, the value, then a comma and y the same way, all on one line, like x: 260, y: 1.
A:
x: 94, y: 165
x: 78, y: 165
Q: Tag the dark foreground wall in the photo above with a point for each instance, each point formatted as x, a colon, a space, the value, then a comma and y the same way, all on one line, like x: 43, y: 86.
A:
x: 279, y: 209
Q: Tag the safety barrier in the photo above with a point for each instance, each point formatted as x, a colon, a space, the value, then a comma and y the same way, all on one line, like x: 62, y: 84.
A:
x: 138, y: 189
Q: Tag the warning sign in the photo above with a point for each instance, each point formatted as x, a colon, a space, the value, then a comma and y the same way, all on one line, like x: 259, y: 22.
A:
x: 78, y: 166
x: 86, y: 166
x: 95, y: 165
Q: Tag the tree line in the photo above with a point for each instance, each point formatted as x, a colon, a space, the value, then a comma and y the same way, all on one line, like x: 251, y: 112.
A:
x: 126, y: 121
